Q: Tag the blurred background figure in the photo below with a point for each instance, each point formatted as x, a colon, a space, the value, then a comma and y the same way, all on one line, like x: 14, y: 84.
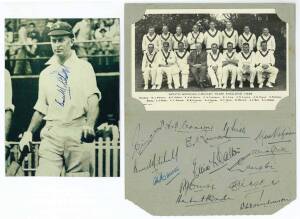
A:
x: 82, y: 31
x: 22, y: 66
x: 46, y: 50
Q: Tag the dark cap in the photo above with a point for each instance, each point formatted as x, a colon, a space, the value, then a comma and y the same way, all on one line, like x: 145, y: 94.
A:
x: 60, y: 28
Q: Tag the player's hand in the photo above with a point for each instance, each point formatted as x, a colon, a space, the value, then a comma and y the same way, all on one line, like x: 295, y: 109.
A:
x: 265, y: 66
x: 88, y: 134
x: 25, y: 140
x: 215, y: 68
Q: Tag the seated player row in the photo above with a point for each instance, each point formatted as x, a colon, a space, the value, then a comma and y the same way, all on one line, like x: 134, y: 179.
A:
x: 211, y: 36
x: 211, y: 65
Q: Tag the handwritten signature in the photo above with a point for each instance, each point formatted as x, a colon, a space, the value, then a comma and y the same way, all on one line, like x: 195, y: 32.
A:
x: 62, y: 86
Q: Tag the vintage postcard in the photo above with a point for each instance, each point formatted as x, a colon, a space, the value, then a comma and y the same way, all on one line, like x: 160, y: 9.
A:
x: 210, y: 108
x: 62, y: 97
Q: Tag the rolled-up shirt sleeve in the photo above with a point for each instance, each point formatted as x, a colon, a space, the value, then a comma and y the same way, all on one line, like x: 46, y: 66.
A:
x: 8, y: 92
x: 41, y: 104
x: 91, y: 83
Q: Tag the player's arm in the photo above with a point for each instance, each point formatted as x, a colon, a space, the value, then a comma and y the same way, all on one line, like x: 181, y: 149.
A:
x: 236, y: 38
x: 8, y: 117
x: 220, y: 38
x: 273, y: 43
x: 189, y: 39
x: 272, y: 61
x: 92, y: 109
x: 9, y: 107
x: 258, y: 43
x: 254, y: 41
x: 257, y: 59
x: 144, y: 43
x: 144, y: 62
x: 93, y: 96
x: 35, y: 122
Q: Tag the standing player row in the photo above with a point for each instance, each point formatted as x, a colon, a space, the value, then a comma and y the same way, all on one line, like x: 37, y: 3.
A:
x: 211, y: 68
x: 209, y: 37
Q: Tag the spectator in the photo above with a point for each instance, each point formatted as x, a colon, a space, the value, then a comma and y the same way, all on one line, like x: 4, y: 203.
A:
x: 104, y: 45
x: 9, y: 50
x: 82, y: 31
x: 46, y: 50
x: 32, y: 50
x: 22, y: 66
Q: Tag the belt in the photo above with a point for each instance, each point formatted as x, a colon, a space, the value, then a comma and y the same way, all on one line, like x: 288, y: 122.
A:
x: 76, y: 122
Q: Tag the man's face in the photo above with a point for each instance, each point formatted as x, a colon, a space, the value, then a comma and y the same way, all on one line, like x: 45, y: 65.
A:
x: 245, y: 48
x: 214, y: 48
x: 246, y: 29
x: 180, y: 47
x: 195, y: 28
x: 151, y: 30
x: 228, y: 25
x: 265, y: 31
x: 264, y: 46
x: 178, y: 30
x: 229, y: 47
x: 61, y: 45
x: 212, y: 25
x: 150, y: 48
x: 165, y: 29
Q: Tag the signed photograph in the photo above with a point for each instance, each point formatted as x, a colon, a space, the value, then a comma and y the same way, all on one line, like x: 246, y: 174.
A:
x: 209, y: 59
x: 62, y: 97
x: 210, y: 51
x: 210, y: 108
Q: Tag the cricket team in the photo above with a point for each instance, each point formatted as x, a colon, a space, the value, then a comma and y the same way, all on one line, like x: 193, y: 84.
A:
x: 177, y: 57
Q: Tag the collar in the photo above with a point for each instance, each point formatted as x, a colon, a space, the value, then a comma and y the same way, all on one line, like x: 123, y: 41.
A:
x: 264, y: 53
x: 229, y: 34
x: 244, y: 35
x: 68, y: 62
x: 179, y: 54
x: 212, y: 34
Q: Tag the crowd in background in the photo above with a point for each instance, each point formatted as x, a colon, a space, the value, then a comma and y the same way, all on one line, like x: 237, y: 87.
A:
x: 27, y: 46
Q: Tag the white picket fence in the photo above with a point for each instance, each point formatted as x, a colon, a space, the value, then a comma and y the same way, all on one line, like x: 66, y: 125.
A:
x: 107, y: 158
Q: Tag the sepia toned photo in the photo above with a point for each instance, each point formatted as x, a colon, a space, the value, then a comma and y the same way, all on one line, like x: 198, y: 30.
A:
x: 219, y: 51
x: 62, y: 97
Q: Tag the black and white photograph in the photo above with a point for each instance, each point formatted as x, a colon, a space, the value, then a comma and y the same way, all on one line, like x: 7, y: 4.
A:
x: 62, y: 97
x: 210, y: 52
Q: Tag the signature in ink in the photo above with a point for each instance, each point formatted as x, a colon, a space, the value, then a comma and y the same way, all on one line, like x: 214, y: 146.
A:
x: 62, y: 86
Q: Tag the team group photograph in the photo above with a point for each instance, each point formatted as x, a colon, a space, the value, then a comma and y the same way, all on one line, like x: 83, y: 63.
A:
x: 210, y: 52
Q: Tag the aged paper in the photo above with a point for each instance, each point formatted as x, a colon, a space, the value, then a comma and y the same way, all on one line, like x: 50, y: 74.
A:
x: 193, y: 149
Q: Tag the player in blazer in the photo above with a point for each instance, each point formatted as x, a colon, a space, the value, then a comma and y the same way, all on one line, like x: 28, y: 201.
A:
x: 182, y: 55
x: 246, y: 66
x: 265, y: 62
x: 229, y: 65
x: 214, y: 64
x: 149, y: 66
